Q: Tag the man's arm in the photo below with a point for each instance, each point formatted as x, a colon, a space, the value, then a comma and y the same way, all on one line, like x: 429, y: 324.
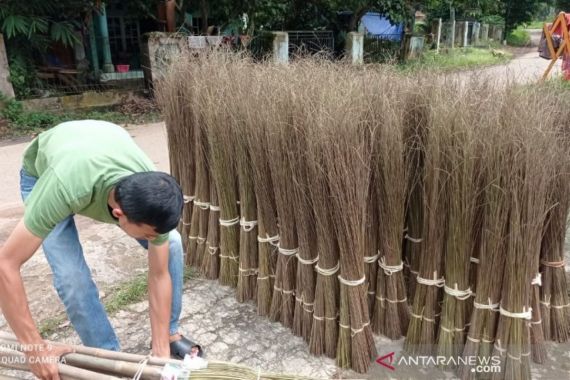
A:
x: 160, y: 298
x: 19, y: 247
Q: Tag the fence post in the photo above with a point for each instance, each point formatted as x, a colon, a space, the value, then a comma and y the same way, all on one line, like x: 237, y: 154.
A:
x: 466, y: 34
x: 439, y: 24
x: 5, y: 86
x: 485, y: 33
x: 354, y: 47
x: 280, y: 47
x: 452, y: 34
x: 105, y: 44
x: 475, y: 33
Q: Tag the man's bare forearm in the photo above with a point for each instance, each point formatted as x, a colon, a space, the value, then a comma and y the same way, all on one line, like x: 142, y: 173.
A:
x: 19, y: 247
x: 160, y: 299
x: 15, y: 306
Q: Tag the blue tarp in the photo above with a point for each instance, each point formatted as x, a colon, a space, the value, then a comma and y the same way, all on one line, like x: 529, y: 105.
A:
x: 377, y: 25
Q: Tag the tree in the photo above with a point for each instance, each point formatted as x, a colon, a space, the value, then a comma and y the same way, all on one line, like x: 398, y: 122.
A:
x: 517, y: 12
x: 39, y: 21
x: 563, y: 5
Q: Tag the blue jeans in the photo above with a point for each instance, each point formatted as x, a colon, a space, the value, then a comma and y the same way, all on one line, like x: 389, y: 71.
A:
x: 74, y: 285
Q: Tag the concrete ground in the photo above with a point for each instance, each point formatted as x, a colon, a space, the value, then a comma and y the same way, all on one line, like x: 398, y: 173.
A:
x: 230, y: 331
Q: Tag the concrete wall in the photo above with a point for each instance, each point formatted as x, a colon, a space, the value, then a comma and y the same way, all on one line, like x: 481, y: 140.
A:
x: 158, y: 51
x: 5, y: 85
x: 85, y: 100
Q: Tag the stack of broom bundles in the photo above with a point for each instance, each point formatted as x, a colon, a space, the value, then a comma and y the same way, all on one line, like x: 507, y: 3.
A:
x: 344, y: 180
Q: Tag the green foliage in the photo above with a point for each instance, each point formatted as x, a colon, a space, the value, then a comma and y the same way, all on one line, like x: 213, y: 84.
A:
x: 457, y: 59
x: 518, y: 37
x: 562, y: 5
x: 493, y: 19
x: 22, y: 74
x: 40, y: 19
x: 23, y: 121
x: 381, y: 51
x: 517, y: 12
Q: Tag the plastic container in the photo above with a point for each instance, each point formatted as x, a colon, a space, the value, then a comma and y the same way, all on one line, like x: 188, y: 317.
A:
x: 122, y: 68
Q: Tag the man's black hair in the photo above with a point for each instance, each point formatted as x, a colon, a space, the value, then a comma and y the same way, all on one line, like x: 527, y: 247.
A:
x: 152, y: 198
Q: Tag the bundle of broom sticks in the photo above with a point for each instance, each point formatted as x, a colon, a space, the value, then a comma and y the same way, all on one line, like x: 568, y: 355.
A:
x: 86, y: 363
x: 426, y: 206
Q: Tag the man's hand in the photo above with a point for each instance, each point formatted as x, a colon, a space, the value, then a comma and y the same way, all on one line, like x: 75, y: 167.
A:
x: 160, y: 298
x: 43, y: 359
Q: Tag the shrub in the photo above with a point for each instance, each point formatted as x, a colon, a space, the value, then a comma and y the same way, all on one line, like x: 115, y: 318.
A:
x: 518, y: 37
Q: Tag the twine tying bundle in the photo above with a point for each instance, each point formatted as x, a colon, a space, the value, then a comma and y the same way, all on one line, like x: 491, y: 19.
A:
x: 248, y: 271
x: 390, y: 269
x: 461, y: 295
x: 489, y: 306
x: 412, y: 239
x: 424, y: 318
x: 229, y: 222
x: 525, y: 314
x: 273, y: 240
x: 371, y: 259
x: 353, y: 332
x: 329, y: 271
x: 288, y: 252
x: 382, y: 299
x: 352, y: 283
x: 307, y: 261
x: 439, y: 282
x: 202, y: 205
x: 283, y: 291
x: 553, y: 264
x: 247, y: 225
x: 537, y: 280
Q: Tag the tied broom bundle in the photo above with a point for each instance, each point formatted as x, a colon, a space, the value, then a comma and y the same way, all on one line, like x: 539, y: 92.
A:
x: 324, y: 333
x: 248, y: 261
x: 461, y: 149
x: 414, y: 128
x: 527, y: 212
x: 494, y: 178
x: 211, y: 261
x: 172, y: 95
x: 425, y: 307
x: 212, y: 97
x: 268, y: 233
x: 348, y: 150
x: 391, y: 312
x: 554, y: 300
x: 202, y: 200
x: 371, y: 244
x: 280, y: 145
x: 307, y: 256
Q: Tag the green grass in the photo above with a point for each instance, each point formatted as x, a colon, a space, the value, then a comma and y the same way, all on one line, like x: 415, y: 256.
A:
x: 457, y: 59
x: 535, y: 24
x: 518, y: 37
x: 125, y: 294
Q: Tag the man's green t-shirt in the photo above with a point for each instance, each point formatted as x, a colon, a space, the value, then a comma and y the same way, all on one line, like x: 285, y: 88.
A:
x: 77, y: 164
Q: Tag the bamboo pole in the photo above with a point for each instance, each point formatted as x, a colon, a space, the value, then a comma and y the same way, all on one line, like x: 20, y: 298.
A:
x: 16, y: 360
x: 98, y: 352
